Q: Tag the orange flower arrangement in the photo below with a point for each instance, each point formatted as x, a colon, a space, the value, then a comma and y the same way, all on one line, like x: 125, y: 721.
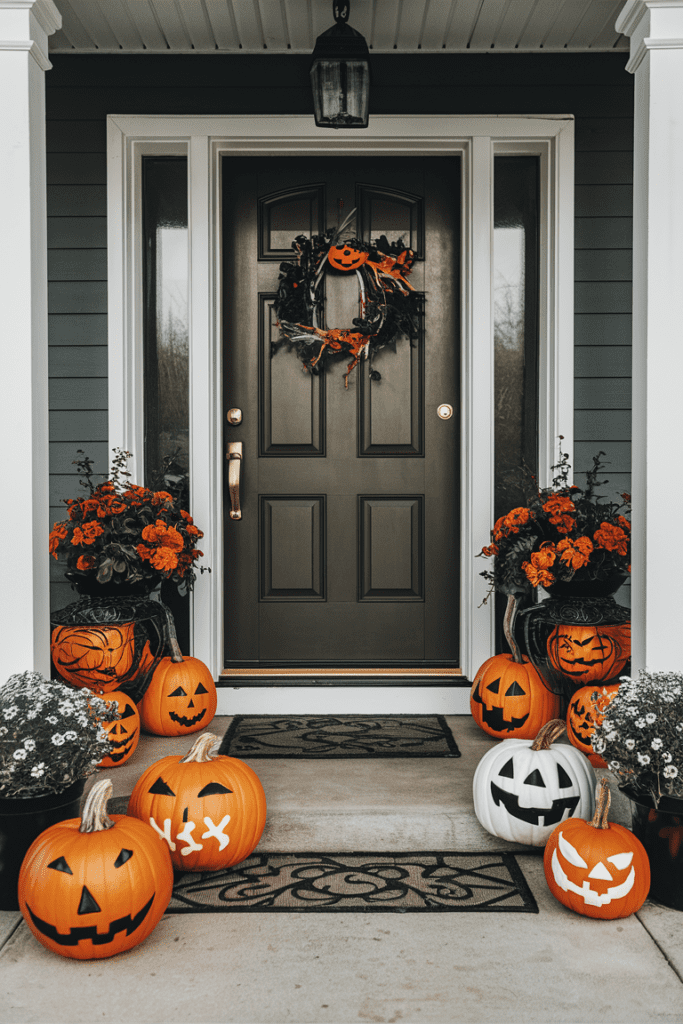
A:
x: 564, y: 532
x: 121, y: 532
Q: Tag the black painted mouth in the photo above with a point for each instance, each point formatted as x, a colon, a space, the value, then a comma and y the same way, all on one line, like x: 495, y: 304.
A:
x: 181, y: 720
x: 125, y: 924
x: 551, y: 815
x: 118, y: 755
x: 494, y: 718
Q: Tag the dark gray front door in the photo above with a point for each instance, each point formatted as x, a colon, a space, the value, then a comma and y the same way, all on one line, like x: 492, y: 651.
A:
x: 347, y: 551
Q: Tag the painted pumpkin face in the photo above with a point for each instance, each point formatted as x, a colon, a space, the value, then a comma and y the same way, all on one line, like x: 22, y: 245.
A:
x: 346, y: 257
x: 211, y: 813
x: 583, y: 714
x: 98, y: 657
x: 589, y: 654
x: 91, y: 895
x: 597, y: 872
x: 509, y: 699
x: 181, y: 698
x: 522, y: 794
x: 124, y: 734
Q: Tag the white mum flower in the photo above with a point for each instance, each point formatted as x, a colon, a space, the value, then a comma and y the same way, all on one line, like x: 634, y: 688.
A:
x: 58, y: 739
x: 20, y: 755
x: 614, y: 766
x: 3, y: 730
x: 70, y: 735
x: 52, y: 719
x: 650, y: 718
x: 599, y: 745
x: 38, y: 770
x: 640, y: 723
x: 630, y: 744
x: 666, y: 757
x: 643, y: 759
x: 30, y: 744
x: 671, y: 771
x: 612, y: 736
x: 10, y: 712
x: 656, y: 743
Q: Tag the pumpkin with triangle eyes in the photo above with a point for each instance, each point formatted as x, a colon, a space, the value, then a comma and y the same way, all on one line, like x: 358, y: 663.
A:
x: 209, y: 809
x: 509, y: 698
x: 95, y: 886
x: 98, y: 657
x: 522, y: 790
x: 181, y: 698
x: 584, y: 713
x: 346, y: 257
x: 597, y: 868
x: 589, y: 654
x: 124, y: 733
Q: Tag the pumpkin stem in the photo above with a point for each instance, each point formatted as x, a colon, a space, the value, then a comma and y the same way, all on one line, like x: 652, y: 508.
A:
x: 171, y: 635
x: 94, y: 817
x: 603, y: 799
x: 508, y: 627
x: 548, y: 734
x: 200, y: 750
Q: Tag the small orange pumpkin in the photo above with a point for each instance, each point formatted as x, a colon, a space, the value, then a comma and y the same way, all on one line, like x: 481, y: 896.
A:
x: 597, y: 868
x: 98, y: 657
x: 94, y: 886
x: 589, y: 654
x: 181, y: 697
x: 346, y: 257
x: 209, y: 809
x: 584, y: 713
x: 124, y: 733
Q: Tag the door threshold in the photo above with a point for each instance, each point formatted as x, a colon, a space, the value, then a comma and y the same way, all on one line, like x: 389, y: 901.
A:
x: 318, y: 673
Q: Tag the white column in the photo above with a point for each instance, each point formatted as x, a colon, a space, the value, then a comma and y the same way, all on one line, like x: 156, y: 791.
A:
x: 655, y: 28
x: 24, y: 589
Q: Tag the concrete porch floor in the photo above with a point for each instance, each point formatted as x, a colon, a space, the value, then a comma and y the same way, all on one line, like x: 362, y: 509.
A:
x: 300, y: 968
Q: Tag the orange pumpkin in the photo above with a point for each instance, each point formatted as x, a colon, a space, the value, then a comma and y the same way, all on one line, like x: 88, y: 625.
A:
x: 124, y: 733
x: 210, y: 810
x: 94, y: 886
x: 509, y: 698
x: 181, y: 698
x: 346, y: 257
x: 597, y: 868
x: 583, y: 714
x: 589, y: 654
x: 98, y: 657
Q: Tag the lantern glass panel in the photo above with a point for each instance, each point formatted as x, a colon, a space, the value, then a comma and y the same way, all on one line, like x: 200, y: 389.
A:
x: 341, y: 93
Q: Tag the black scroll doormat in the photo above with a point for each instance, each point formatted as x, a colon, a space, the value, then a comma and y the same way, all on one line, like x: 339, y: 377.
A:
x: 313, y: 736
x: 361, y: 882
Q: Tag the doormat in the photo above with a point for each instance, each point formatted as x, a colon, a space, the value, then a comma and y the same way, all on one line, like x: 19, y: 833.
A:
x: 313, y: 736
x: 362, y: 882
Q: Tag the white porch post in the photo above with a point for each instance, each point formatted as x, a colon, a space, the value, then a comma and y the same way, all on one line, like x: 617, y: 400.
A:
x: 656, y: 31
x: 24, y: 593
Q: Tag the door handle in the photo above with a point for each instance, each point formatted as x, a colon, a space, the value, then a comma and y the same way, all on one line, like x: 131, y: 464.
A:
x: 234, y: 457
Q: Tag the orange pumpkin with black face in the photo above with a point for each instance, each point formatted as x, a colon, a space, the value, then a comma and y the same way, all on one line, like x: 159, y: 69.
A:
x: 346, y: 257
x: 589, y: 654
x: 584, y: 713
x: 509, y: 698
x: 181, y: 698
x: 124, y: 733
x: 98, y: 657
x: 94, y: 886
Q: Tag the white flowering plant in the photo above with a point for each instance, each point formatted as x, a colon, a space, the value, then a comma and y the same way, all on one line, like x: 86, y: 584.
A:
x: 641, y: 734
x: 51, y: 735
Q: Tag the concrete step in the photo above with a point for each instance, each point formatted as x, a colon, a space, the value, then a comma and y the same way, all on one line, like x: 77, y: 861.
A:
x: 366, y: 804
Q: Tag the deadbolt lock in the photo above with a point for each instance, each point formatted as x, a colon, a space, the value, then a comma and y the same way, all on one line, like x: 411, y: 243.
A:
x: 444, y: 411
x: 234, y: 417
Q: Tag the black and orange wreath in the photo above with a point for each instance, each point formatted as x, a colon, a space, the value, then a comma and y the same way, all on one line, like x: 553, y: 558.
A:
x: 389, y: 305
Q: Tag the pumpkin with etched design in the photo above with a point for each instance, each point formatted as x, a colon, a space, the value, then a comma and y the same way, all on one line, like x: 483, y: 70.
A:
x: 98, y: 657
x: 124, y: 733
x: 590, y: 654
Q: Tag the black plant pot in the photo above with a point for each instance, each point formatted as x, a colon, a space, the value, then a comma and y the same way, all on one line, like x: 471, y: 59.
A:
x: 88, y: 586
x: 660, y: 830
x: 22, y: 819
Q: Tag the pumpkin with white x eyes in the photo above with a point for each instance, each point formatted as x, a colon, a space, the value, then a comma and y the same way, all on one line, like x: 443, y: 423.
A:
x: 597, y: 868
x: 522, y: 788
x: 209, y: 808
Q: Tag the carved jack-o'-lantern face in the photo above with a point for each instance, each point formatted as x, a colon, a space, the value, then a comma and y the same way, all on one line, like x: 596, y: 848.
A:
x: 511, y: 699
x: 584, y: 713
x: 346, y: 257
x: 181, y: 698
x: 124, y: 733
x: 589, y: 654
x: 210, y: 810
x: 95, y: 656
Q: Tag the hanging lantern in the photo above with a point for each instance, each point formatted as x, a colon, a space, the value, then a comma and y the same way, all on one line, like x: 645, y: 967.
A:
x: 340, y: 74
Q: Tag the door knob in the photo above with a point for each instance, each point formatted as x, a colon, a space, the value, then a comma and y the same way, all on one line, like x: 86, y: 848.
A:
x: 234, y: 417
x: 234, y: 457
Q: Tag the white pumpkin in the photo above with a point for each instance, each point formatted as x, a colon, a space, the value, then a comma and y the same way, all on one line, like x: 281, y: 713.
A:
x: 524, y: 788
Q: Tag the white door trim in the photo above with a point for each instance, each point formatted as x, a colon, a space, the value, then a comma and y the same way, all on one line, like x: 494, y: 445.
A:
x: 205, y: 140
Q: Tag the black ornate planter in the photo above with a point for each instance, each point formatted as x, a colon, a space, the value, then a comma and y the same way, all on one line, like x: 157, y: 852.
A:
x: 660, y: 830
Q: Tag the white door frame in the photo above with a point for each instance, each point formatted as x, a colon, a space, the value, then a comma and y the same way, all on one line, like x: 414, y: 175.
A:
x: 205, y: 140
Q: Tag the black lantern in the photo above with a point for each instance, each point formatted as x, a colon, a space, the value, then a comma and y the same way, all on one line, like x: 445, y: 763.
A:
x: 340, y: 74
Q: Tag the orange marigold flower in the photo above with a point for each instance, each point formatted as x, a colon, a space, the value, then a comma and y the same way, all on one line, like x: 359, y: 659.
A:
x: 537, y: 577
x: 558, y: 504
x: 563, y: 523
x: 77, y: 537
x: 575, y: 553
x: 612, y: 538
x: 490, y: 551
x: 160, y: 496
x: 197, y: 554
x: 85, y: 562
x: 186, y: 516
x: 194, y: 532
x: 75, y: 511
x: 624, y: 523
x: 91, y: 531
x: 144, y: 552
x: 57, y: 533
x: 164, y: 559
x: 516, y: 518
x: 499, y: 524
x: 105, y: 488
x: 544, y: 558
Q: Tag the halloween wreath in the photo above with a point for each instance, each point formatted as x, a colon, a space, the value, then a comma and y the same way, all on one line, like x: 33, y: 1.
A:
x: 389, y: 305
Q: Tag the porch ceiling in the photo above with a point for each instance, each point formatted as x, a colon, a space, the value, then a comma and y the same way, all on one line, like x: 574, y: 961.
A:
x: 281, y: 26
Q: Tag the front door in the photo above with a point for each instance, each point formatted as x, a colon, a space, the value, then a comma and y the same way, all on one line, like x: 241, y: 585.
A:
x: 346, y: 554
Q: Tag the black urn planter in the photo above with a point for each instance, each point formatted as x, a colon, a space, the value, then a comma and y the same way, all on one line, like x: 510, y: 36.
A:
x: 660, y: 830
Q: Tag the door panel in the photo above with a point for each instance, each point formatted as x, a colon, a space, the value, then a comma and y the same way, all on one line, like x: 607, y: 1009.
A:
x: 347, y: 552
